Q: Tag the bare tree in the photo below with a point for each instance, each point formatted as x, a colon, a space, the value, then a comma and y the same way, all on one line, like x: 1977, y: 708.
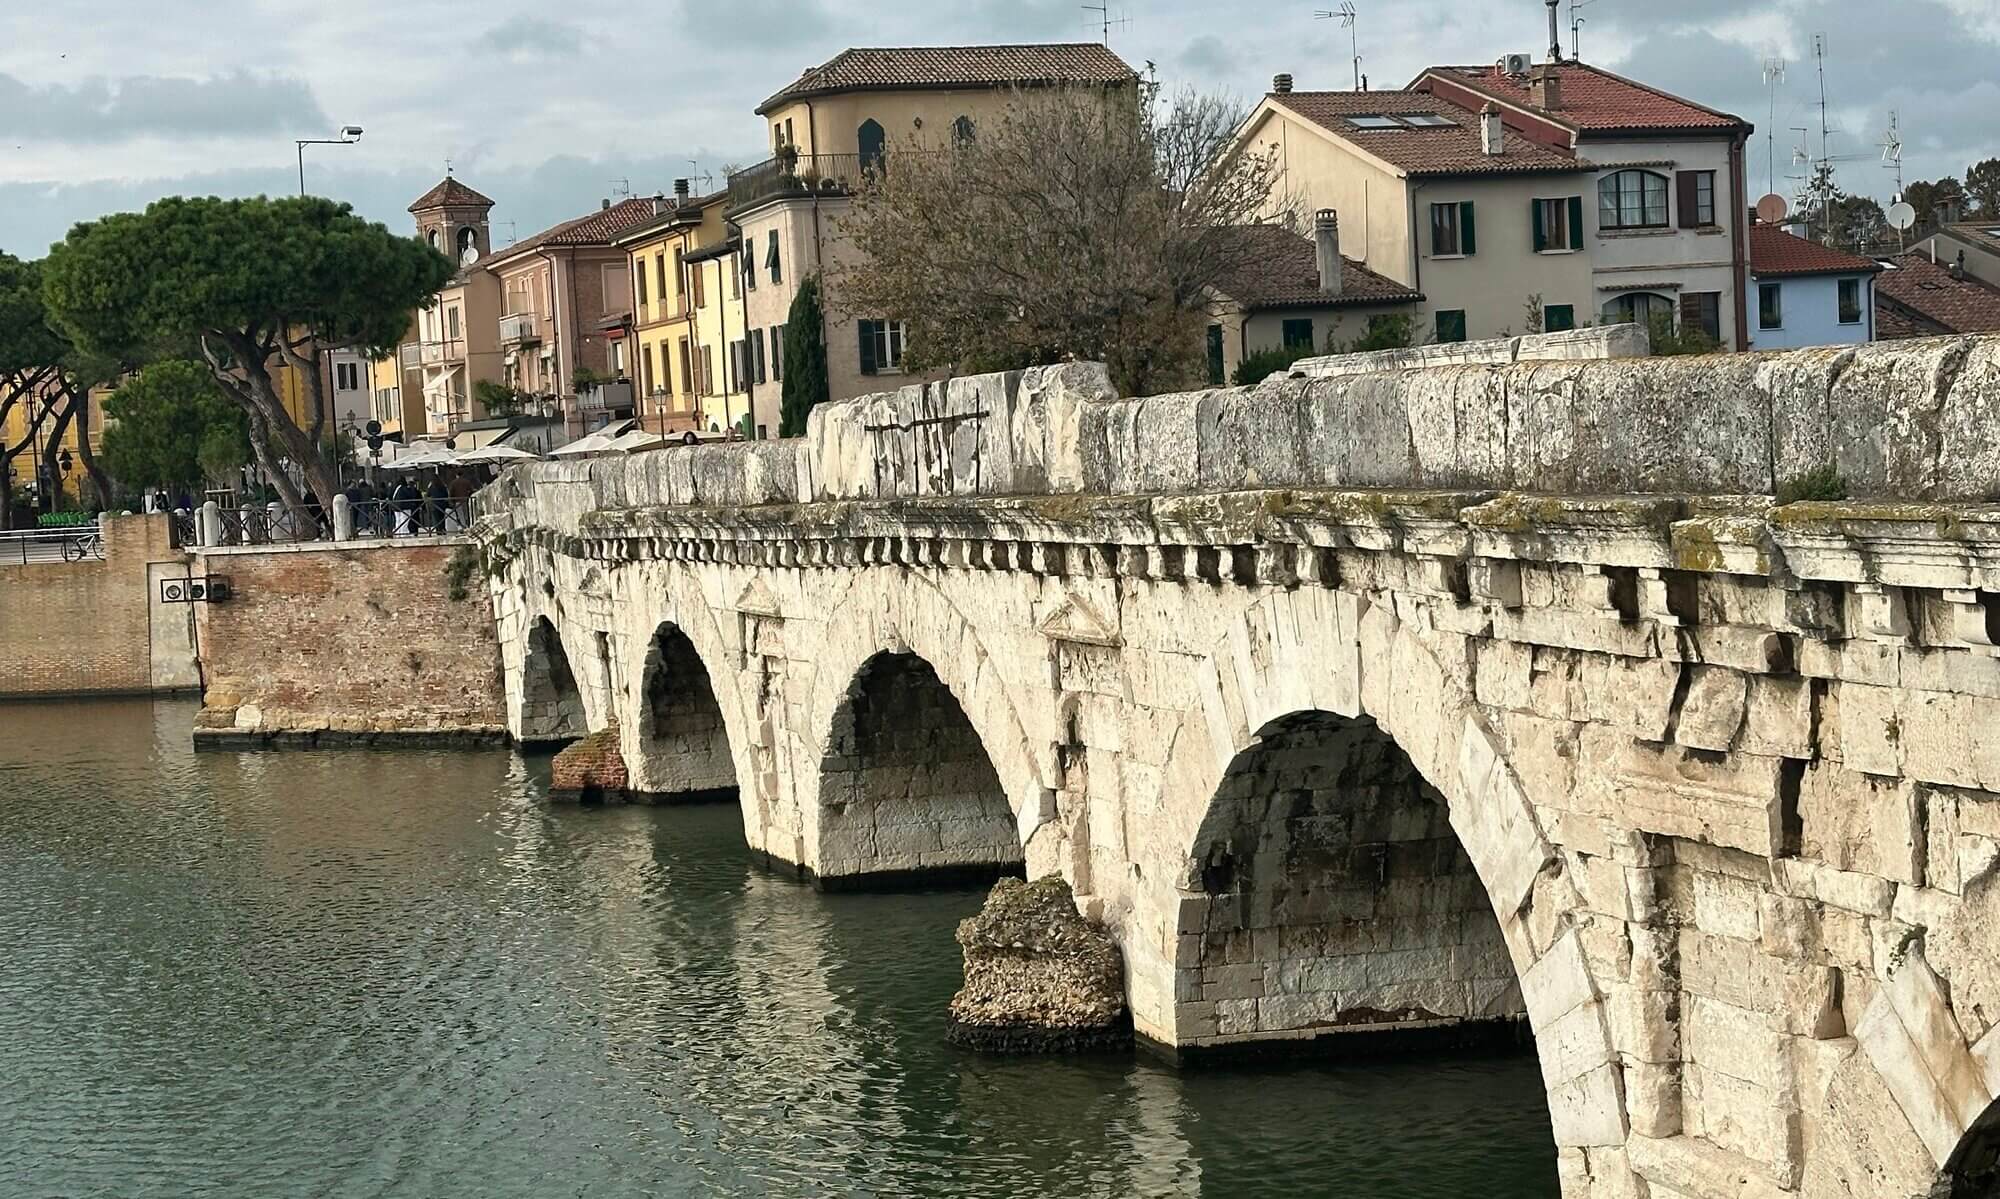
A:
x: 1082, y: 223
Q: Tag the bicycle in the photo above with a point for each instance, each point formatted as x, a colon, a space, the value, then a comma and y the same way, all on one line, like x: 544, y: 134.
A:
x: 90, y: 545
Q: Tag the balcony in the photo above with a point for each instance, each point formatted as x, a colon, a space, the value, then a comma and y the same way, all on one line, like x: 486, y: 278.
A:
x: 800, y: 175
x: 409, y: 356
x: 606, y: 397
x: 520, y: 329
x: 438, y: 353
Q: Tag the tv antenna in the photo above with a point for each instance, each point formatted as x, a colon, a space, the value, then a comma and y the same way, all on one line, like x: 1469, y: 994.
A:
x: 1105, y: 21
x: 1576, y: 24
x: 1774, y: 74
x: 1892, y: 151
x: 1348, y: 15
x: 621, y: 187
x: 513, y: 234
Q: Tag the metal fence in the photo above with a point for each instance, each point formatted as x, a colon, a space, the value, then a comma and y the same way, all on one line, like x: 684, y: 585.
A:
x: 82, y: 543
x: 411, y: 518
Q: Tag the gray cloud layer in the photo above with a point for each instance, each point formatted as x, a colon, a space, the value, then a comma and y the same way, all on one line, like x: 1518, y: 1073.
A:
x: 107, y: 110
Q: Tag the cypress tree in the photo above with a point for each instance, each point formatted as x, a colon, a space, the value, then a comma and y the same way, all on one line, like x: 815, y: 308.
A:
x: 805, y: 359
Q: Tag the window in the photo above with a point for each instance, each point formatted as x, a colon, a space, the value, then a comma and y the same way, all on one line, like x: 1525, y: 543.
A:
x: 1426, y: 120
x: 1558, y: 224
x: 1850, y: 301
x: 771, y: 258
x: 1374, y: 121
x: 639, y: 278
x: 1695, y: 191
x: 872, y: 141
x: 1215, y: 361
x: 1557, y: 318
x: 1703, y: 310
x: 746, y: 261
x: 961, y: 130
x: 1770, y: 306
x: 1637, y: 308
x: 688, y: 382
x: 756, y: 352
x: 1632, y: 200
x: 660, y: 274
x: 1299, y: 334
x: 699, y: 278
x: 451, y: 318
x: 1451, y: 230
x: 738, y: 355
x: 1451, y: 324
x: 346, y: 376
x: 646, y: 371
x: 708, y: 370
x: 681, y: 277
x: 777, y: 333
x: 881, y: 346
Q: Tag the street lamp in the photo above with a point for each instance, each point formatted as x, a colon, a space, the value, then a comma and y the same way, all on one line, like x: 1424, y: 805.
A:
x: 349, y: 134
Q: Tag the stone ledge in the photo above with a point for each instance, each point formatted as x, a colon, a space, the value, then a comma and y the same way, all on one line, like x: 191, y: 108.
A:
x: 238, y: 739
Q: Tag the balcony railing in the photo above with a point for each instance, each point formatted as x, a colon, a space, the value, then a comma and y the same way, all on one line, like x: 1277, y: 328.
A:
x: 450, y: 350
x: 802, y: 175
x: 606, y: 397
x: 409, y: 356
x: 519, y: 329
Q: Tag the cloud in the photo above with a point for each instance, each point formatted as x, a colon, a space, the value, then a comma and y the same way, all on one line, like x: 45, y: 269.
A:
x: 1208, y: 55
x: 532, y: 37
x: 759, y: 25
x: 110, y: 110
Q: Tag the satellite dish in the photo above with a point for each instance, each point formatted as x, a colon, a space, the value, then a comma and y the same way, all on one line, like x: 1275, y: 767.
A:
x: 1772, y: 209
x: 1902, y: 215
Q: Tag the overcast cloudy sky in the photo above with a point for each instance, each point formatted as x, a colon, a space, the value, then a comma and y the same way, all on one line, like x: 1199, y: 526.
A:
x: 547, y: 107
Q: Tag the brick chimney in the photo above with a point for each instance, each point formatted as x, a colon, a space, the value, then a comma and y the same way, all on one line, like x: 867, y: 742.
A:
x: 1545, y: 87
x: 1281, y: 83
x: 1326, y: 249
x: 1492, y: 136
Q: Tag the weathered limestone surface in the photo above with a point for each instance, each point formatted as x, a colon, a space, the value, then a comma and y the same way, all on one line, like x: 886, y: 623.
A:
x: 1038, y: 977
x: 1701, y: 785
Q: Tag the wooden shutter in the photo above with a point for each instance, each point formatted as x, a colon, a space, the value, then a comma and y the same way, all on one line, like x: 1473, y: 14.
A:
x: 1690, y: 309
x: 1685, y: 197
x: 1467, y: 244
x: 1535, y: 219
x: 867, y: 346
x: 1576, y: 222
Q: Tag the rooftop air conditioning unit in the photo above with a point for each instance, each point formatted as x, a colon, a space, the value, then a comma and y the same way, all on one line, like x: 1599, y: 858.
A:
x: 1517, y: 64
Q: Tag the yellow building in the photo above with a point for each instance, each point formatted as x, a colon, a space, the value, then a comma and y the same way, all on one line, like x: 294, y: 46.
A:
x: 715, y: 281
x: 22, y: 469
x: 666, y: 361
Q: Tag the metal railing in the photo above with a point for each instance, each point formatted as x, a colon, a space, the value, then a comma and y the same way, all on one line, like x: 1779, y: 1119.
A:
x: 605, y: 397
x: 375, y: 519
x: 22, y: 547
x: 277, y: 524
x: 802, y: 174
x: 450, y: 350
x: 410, y: 355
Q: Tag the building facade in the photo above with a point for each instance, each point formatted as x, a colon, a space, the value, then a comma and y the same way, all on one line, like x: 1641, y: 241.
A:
x: 454, y: 342
x: 665, y: 357
x: 1805, y: 294
x: 1294, y: 293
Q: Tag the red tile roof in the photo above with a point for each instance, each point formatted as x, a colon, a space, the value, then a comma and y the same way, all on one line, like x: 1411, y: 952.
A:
x: 1931, y: 301
x: 450, y: 193
x: 906, y: 67
x: 1452, y: 149
x: 595, y: 229
x: 1277, y: 268
x: 1594, y: 100
x: 1774, y: 253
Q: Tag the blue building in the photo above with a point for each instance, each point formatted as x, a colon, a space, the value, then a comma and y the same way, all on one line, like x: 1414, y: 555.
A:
x: 1802, y: 293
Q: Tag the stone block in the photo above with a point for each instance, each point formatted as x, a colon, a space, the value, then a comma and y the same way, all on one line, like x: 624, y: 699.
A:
x: 1862, y: 823
x: 1714, y: 708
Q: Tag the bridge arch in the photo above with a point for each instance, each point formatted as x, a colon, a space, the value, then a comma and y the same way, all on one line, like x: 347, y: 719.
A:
x: 1309, y: 660
x: 906, y: 642
x: 680, y: 747
x: 551, y: 702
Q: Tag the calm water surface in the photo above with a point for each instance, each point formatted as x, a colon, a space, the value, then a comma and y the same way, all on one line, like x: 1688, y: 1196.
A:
x: 406, y: 974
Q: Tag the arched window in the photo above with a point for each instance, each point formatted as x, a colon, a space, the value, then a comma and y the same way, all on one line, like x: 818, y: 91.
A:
x: 435, y: 239
x: 961, y: 130
x: 871, y: 139
x: 1639, y: 308
x: 1632, y: 200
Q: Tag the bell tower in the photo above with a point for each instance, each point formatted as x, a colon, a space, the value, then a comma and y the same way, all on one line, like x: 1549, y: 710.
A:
x: 452, y: 219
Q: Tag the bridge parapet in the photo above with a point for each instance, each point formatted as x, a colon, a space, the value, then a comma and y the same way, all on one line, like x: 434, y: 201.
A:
x: 1906, y: 420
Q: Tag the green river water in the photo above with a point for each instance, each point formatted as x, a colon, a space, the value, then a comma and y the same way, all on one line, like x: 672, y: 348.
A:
x: 352, y: 973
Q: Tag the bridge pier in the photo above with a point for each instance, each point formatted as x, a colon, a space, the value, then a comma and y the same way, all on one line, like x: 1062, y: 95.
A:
x: 1697, y: 788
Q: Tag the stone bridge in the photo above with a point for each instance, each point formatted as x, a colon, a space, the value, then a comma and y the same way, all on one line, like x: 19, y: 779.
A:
x: 1413, y: 703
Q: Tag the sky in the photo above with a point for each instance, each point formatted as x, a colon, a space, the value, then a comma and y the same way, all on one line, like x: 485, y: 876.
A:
x: 107, y: 105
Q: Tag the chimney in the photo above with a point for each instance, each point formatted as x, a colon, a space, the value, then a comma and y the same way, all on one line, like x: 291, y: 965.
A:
x: 680, y: 193
x: 1545, y: 88
x: 603, y: 205
x: 1492, y: 140
x: 1326, y: 248
x: 1281, y: 83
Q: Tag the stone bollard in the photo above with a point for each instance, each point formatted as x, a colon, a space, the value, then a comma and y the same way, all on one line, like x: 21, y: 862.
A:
x: 343, y: 517
x: 209, y: 525
x: 274, y: 522
x: 1039, y: 978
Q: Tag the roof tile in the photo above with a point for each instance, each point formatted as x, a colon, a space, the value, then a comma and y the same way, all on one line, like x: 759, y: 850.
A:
x: 593, y: 229
x: 1927, y: 290
x: 1596, y: 101
x: 1452, y: 149
x: 1278, y: 268
x: 1042, y: 63
x: 450, y: 193
x: 1774, y: 253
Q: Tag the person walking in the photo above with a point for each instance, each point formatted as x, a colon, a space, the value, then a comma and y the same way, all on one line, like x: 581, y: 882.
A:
x: 438, y: 501
x: 406, y: 502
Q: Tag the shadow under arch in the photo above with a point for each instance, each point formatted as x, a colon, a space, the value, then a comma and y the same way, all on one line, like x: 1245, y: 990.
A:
x: 1341, y: 909
x: 1973, y: 1170
x: 1320, y: 650
x: 907, y: 794
x: 680, y: 751
x: 551, y: 703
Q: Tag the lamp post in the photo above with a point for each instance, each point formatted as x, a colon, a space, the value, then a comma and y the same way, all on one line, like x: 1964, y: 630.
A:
x: 349, y: 134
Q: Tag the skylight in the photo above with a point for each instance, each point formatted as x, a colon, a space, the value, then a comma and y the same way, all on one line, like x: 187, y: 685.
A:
x: 1426, y: 120
x: 1401, y: 120
x: 1374, y: 121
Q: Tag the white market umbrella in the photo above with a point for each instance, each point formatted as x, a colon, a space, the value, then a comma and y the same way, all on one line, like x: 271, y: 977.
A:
x: 596, y: 443
x: 637, y: 439
x: 497, y: 453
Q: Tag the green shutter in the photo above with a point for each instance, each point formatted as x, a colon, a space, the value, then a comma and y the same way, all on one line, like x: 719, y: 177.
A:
x: 1467, y: 244
x: 1535, y: 217
x: 867, y: 346
x: 1576, y: 222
